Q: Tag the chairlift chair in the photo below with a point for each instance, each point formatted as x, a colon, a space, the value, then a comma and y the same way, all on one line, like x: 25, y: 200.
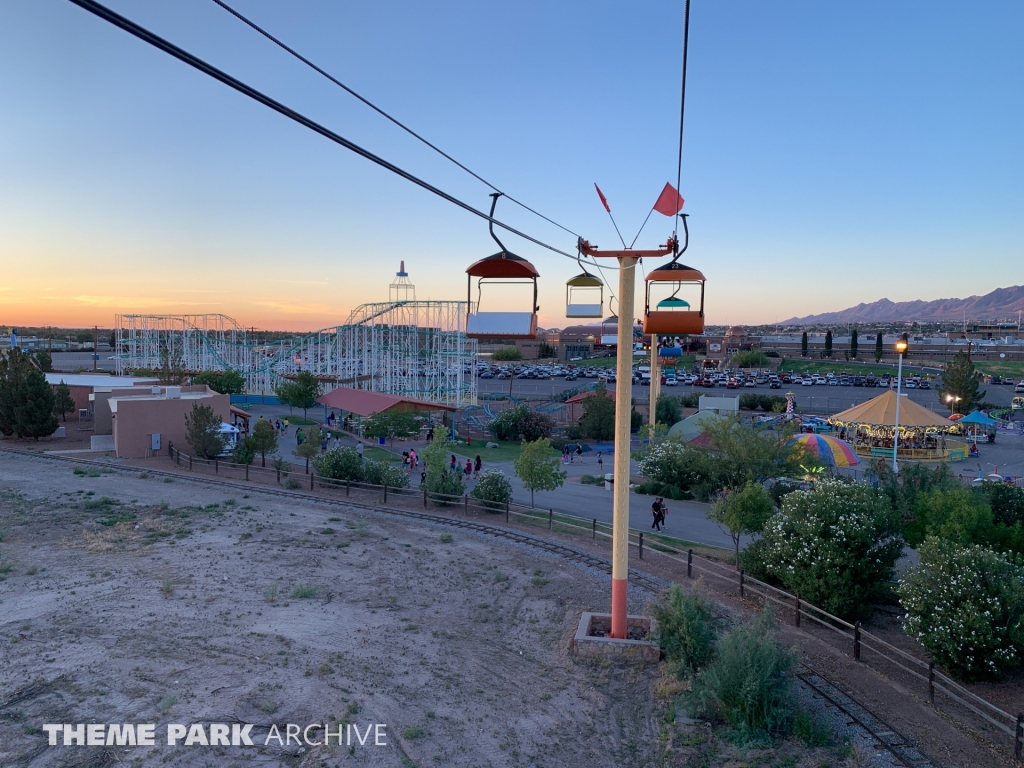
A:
x: 581, y: 292
x: 674, y: 315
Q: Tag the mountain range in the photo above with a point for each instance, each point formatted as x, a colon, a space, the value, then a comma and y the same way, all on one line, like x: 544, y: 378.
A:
x: 1001, y: 304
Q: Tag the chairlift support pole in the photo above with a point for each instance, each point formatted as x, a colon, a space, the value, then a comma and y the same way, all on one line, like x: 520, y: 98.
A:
x: 623, y: 407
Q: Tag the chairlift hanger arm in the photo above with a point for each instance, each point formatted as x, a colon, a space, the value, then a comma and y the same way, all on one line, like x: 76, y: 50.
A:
x: 667, y: 249
x: 494, y: 203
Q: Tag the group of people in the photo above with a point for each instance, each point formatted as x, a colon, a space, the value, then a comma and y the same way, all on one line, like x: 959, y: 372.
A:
x: 660, y: 510
x: 471, y: 468
x: 570, y: 452
x: 409, y: 460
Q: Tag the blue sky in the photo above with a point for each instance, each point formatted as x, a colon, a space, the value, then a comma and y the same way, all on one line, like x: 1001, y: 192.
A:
x: 835, y: 152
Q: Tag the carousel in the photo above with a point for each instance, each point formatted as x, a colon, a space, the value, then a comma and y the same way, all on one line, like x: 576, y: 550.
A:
x: 924, y: 435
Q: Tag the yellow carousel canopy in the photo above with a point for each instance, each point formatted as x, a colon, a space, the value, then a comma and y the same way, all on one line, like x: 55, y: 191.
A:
x: 881, y: 411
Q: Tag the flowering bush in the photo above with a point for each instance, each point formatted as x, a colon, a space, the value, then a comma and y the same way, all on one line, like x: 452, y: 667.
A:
x: 339, y: 464
x: 966, y: 606
x: 834, y: 545
x: 384, y: 473
x: 494, y: 489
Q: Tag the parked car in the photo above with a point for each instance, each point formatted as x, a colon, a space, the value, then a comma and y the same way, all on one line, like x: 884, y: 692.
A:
x: 1019, y: 387
x: 775, y: 384
x: 924, y: 385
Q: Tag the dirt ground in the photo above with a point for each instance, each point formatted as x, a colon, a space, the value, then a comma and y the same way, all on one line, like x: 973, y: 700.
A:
x: 128, y: 599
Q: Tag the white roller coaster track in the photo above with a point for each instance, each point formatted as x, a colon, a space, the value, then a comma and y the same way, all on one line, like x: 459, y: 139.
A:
x: 416, y: 349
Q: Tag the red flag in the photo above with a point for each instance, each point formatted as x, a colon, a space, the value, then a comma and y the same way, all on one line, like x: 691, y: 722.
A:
x: 604, y: 202
x: 670, y: 202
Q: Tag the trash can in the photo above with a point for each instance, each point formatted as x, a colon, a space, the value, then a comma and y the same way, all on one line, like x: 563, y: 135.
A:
x: 609, y: 480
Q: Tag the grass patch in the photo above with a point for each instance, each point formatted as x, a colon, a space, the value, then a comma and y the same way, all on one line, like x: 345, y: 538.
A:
x: 143, y: 475
x: 811, y: 730
x: 840, y: 367
x: 592, y: 480
x: 86, y: 472
x: 305, y: 591
x: 302, y: 421
x: 1014, y: 370
x: 292, y: 484
x: 412, y: 733
x: 167, y: 588
x: 507, y: 450
x: 446, y: 538
x: 270, y: 593
x: 380, y: 454
x: 165, y: 704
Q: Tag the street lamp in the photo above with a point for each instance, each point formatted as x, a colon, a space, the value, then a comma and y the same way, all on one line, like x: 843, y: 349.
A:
x: 901, y: 347
x: 951, y: 399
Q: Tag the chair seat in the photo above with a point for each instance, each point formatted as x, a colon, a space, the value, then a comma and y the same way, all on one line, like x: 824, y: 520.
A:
x: 674, y: 322
x: 501, y: 325
x: 583, y: 310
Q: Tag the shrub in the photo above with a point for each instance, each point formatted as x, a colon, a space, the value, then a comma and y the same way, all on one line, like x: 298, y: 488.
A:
x: 834, y: 545
x: 960, y: 515
x: 966, y: 606
x: 494, y: 489
x: 441, y: 484
x: 748, y: 684
x: 1006, y: 501
x: 593, y: 480
x: 749, y: 402
x: 685, y: 629
x: 753, y: 358
x: 521, y: 422
x: 507, y: 353
x: 384, y: 473
x: 340, y: 464
x: 292, y: 484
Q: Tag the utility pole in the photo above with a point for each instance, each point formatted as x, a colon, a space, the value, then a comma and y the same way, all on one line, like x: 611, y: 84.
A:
x: 95, y: 346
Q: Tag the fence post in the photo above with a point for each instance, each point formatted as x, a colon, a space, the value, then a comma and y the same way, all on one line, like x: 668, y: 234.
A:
x: 216, y: 466
x: 741, y: 582
x: 385, y: 493
x: 641, y: 545
x: 246, y: 471
x: 313, y: 474
x: 278, y: 475
x: 856, y: 641
x: 551, y: 517
x: 189, y: 463
x: 506, y: 511
x: 466, y: 504
x: 1018, y: 746
x: 424, y: 498
x: 595, y: 529
x: 931, y: 683
x: 796, y: 612
x: 689, y: 563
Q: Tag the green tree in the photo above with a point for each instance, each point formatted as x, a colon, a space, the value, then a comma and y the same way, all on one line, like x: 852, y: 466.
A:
x: 301, y: 392
x: 803, y: 345
x: 598, y: 419
x: 203, y: 433
x: 14, y: 368
x: 33, y: 414
x: 751, y: 358
x: 493, y: 489
x: 854, y: 343
x: 878, y: 346
x: 828, y: 344
x: 340, y: 464
x: 44, y: 360
x: 229, y: 382
x: 538, y: 469
x: 309, y: 448
x: 753, y: 453
x: 961, y: 380
x: 441, y: 484
x: 392, y: 424
x: 667, y: 410
x: 264, y: 439
x: 507, y: 354
x: 243, y: 452
x: 62, y: 400
x: 545, y: 351
x: 742, y: 512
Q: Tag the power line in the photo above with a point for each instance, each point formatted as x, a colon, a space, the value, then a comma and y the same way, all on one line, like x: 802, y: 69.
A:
x: 380, y: 111
x: 194, y: 61
x: 682, y: 108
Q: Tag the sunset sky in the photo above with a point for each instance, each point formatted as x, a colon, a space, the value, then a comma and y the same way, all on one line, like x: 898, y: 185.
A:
x: 835, y: 152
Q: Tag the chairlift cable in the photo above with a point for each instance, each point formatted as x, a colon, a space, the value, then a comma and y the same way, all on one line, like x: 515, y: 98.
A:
x: 682, y: 108
x: 381, y: 112
x: 156, y: 41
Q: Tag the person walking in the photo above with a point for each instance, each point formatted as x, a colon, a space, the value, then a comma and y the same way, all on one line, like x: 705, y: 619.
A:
x: 476, y: 467
x: 359, y: 450
x: 600, y: 463
x: 579, y: 452
x: 453, y: 465
x: 298, y: 436
x: 286, y: 425
x: 468, y: 470
x: 656, y: 512
x: 412, y: 459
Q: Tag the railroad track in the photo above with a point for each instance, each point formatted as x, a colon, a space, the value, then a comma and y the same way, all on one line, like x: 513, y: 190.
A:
x: 884, y: 735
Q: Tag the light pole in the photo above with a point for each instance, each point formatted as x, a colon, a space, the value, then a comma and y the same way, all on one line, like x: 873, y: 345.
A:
x: 951, y: 400
x: 901, y: 347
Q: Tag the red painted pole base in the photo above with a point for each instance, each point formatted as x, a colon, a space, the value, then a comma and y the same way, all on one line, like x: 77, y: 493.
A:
x: 619, y: 592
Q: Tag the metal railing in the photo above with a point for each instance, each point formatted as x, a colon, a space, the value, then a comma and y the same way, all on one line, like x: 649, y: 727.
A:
x: 855, y: 639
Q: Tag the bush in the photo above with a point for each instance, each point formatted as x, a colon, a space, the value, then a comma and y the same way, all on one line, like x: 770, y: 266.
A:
x: 959, y: 515
x: 1006, y: 501
x: 494, y: 489
x: 966, y: 606
x: 384, y: 473
x: 685, y: 629
x: 521, y: 422
x: 507, y: 353
x: 749, y: 402
x: 748, y: 684
x: 834, y: 545
x: 443, y: 485
x: 341, y: 464
x: 753, y: 358
x: 592, y: 480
